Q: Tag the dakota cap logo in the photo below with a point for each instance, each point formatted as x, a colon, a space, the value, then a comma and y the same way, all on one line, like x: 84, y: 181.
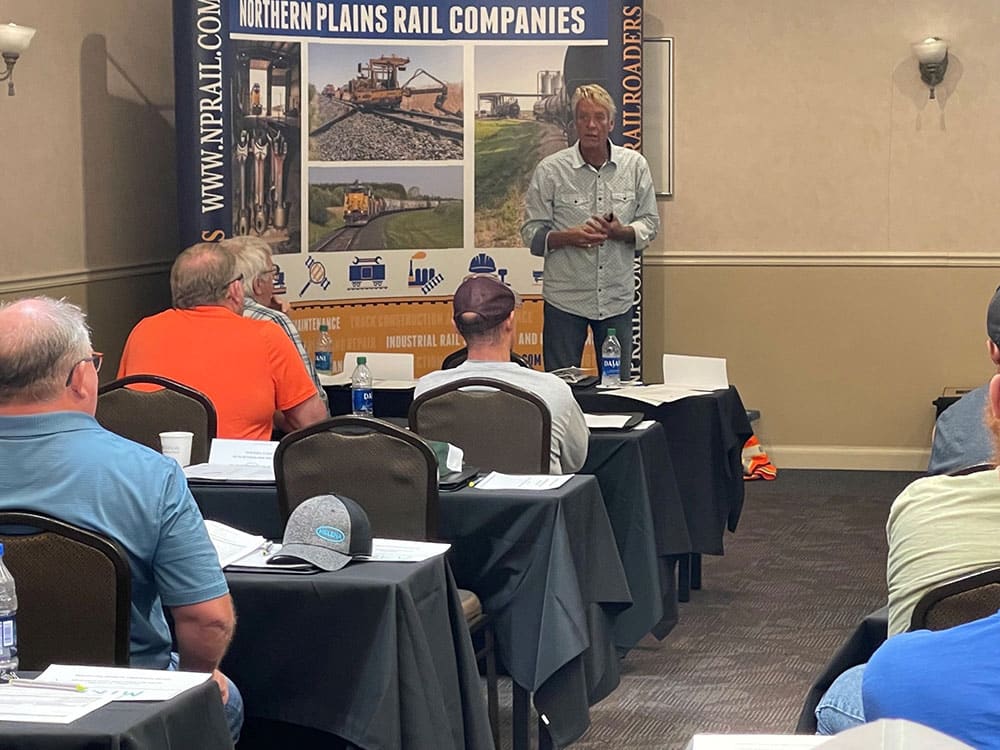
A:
x: 331, y: 534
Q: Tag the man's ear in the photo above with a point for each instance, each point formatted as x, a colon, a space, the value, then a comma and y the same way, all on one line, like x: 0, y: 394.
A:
x: 995, y: 396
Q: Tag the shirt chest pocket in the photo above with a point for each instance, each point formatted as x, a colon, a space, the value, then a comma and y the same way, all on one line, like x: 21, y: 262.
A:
x: 571, y: 208
x: 623, y: 203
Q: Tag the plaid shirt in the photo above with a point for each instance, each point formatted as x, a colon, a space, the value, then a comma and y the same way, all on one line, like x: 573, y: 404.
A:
x: 255, y: 310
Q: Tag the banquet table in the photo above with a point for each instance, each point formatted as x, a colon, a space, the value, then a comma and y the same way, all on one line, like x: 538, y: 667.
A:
x: 544, y: 563
x: 376, y: 653
x: 194, y: 718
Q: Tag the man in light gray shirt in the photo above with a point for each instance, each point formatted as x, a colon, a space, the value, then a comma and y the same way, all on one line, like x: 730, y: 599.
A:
x: 485, y: 310
x: 589, y: 209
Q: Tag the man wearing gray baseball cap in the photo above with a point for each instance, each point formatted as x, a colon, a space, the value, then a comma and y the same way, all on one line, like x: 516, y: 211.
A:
x: 960, y: 435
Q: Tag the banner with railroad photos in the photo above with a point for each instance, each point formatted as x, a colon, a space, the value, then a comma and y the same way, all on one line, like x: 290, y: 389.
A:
x: 383, y: 149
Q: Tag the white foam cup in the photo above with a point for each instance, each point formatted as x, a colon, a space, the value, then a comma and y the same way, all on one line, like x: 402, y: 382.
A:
x: 177, y: 445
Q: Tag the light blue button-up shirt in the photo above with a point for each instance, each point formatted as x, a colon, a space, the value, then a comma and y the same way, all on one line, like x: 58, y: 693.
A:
x: 565, y: 191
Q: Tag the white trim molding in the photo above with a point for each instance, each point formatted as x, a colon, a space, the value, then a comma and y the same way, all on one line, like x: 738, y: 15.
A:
x: 848, y: 457
x: 838, y: 260
x: 21, y: 284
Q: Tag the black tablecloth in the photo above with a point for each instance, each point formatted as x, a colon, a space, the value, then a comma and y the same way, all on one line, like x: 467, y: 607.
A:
x: 194, y: 719
x: 545, y: 565
x: 705, y: 436
x: 377, y: 653
x: 640, y: 492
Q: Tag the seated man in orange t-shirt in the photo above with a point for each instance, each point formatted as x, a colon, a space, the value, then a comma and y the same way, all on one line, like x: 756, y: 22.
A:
x: 248, y: 368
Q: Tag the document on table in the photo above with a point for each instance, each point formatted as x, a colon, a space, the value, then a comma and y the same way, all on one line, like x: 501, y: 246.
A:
x: 697, y: 373
x: 47, y: 706
x: 404, y: 550
x: 236, y: 461
x: 230, y: 472
x: 233, y: 545
x: 497, y: 481
x: 654, y: 394
x: 344, y: 379
x: 123, y: 684
x: 611, y: 421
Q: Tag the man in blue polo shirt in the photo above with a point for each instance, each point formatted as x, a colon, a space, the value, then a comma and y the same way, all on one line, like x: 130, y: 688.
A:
x: 57, y: 460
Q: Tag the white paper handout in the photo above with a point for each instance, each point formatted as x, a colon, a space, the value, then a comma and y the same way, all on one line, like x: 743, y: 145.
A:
x: 695, y: 373
x: 123, y: 684
x: 344, y: 379
x: 47, y: 706
x: 606, y: 421
x: 236, y: 460
x: 232, y: 544
x: 497, y: 481
x: 404, y: 550
x: 655, y: 394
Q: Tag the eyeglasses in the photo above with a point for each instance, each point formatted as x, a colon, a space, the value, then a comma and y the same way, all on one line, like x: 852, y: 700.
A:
x: 274, y: 271
x: 225, y: 286
x: 496, y: 279
x: 97, y: 358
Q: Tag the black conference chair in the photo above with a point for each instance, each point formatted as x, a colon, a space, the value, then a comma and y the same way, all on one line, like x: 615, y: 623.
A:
x: 962, y: 600
x: 393, y: 474
x: 162, y: 405
x: 456, y: 358
x: 74, y: 590
x: 497, y: 425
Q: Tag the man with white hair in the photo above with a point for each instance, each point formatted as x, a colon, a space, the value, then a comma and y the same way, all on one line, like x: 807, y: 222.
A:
x: 589, y: 209
x: 57, y: 460
x: 256, y: 265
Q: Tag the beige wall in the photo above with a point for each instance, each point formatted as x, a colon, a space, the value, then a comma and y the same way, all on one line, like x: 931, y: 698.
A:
x: 89, y: 208
x: 833, y: 230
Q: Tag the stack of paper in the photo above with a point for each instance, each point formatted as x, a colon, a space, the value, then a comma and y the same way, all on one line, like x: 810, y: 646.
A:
x: 497, y: 481
x: 236, y: 460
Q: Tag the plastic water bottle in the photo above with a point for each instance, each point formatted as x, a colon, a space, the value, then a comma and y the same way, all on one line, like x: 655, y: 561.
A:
x: 324, y: 351
x: 361, y: 389
x: 611, y: 361
x: 8, y: 611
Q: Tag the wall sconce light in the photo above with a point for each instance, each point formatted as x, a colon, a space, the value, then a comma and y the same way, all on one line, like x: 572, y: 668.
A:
x: 14, y: 40
x: 932, y: 55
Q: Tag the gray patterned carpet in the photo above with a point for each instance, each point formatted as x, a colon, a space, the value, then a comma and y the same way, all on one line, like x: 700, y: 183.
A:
x: 805, y: 565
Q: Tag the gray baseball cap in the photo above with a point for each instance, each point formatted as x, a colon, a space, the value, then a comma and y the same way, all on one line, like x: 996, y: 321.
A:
x: 993, y: 318
x: 327, y: 531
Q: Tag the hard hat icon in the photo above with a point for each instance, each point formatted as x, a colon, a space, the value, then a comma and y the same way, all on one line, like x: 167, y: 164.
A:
x: 482, y: 263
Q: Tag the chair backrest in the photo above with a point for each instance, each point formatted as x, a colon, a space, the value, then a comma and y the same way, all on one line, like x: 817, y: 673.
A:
x: 974, y: 469
x: 74, y: 591
x: 456, y: 358
x: 141, y: 414
x: 383, y: 365
x: 962, y: 600
x: 497, y: 425
x: 392, y: 473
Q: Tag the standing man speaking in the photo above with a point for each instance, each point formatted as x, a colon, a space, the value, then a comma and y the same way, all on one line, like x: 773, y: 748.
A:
x: 589, y: 209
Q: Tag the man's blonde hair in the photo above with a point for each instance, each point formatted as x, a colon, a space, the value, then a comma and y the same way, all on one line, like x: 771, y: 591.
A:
x: 594, y: 93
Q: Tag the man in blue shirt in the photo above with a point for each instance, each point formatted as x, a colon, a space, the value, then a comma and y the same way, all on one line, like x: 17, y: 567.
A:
x: 57, y: 460
x: 960, y: 435
x: 948, y: 680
